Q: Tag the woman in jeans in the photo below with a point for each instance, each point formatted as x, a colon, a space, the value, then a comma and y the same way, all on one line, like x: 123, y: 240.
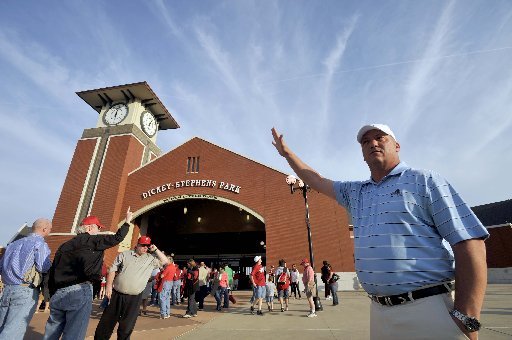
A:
x: 223, y: 286
x: 333, y: 285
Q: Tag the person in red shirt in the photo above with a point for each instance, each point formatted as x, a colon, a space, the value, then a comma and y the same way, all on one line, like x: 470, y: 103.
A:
x: 258, y: 283
x: 176, y: 286
x: 165, y: 287
x: 283, y: 285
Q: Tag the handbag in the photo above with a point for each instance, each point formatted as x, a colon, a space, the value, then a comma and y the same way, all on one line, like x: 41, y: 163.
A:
x: 33, y: 277
x: 232, y: 298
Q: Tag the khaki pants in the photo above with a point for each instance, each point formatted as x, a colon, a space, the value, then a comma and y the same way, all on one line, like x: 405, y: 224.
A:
x: 426, y: 318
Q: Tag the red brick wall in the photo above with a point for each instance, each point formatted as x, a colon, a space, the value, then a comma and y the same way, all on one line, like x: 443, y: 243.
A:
x: 263, y: 190
x: 73, y: 186
x: 71, y: 191
x: 499, y: 245
x: 124, y: 154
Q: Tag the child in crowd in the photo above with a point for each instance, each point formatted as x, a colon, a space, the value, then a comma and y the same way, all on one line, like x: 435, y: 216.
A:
x: 269, y: 293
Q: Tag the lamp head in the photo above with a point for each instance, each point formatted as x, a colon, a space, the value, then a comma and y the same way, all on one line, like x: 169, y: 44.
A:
x: 291, y: 180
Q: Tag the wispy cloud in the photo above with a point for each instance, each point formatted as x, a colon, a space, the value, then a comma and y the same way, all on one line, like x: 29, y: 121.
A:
x: 220, y: 59
x: 423, y: 77
x: 332, y: 64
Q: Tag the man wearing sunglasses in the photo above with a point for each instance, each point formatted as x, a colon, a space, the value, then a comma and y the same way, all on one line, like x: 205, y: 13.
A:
x: 128, y: 275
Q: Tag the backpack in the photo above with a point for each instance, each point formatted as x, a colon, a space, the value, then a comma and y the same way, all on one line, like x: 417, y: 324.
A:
x: 282, y: 278
x: 335, y: 277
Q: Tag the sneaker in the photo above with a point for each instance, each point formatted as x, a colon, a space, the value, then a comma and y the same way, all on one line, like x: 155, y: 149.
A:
x: 312, y: 315
x: 194, y: 315
x: 167, y: 317
x: 328, y: 297
x: 186, y: 316
x: 269, y: 308
x: 286, y: 309
x: 252, y: 309
x: 282, y: 309
x: 260, y: 313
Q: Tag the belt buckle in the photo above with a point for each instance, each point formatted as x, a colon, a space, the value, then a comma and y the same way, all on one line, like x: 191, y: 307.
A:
x: 388, y: 301
x: 402, y: 300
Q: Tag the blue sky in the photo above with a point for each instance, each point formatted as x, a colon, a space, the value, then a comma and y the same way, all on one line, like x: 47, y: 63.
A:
x: 438, y: 72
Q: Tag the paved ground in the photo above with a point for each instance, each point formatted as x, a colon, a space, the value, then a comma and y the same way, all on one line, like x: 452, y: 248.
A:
x: 348, y: 320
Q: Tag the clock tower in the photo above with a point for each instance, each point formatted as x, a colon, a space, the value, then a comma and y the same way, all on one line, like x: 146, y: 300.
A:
x: 123, y: 140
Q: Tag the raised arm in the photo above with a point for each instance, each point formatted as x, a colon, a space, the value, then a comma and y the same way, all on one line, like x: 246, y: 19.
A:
x: 304, y: 171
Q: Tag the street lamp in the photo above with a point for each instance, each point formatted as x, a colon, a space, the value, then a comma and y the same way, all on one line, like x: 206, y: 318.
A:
x: 291, y: 181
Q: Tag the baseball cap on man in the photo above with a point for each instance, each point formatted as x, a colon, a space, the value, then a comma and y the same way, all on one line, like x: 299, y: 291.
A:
x: 92, y: 220
x: 304, y: 260
x: 382, y: 127
x: 144, y: 240
x: 257, y: 258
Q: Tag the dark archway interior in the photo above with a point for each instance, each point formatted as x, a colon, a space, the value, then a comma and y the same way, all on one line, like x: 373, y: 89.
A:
x: 207, y: 230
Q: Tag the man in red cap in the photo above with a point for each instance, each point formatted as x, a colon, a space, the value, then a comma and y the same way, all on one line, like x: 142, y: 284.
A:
x: 129, y: 274
x: 308, y: 278
x: 77, y: 265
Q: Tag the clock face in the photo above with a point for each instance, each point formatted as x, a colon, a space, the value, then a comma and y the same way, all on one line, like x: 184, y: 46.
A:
x: 148, y: 123
x: 116, y: 114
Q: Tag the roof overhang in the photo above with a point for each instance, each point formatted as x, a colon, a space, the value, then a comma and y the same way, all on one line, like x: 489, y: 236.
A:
x: 99, y: 98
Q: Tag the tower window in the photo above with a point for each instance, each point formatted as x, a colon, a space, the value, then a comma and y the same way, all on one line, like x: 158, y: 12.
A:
x: 192, y: 165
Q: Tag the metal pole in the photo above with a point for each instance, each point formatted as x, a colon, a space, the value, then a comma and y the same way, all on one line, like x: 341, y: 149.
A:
x: 316, y: 299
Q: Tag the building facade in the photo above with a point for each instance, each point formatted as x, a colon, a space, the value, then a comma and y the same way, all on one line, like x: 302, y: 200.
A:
x: 198, y: 200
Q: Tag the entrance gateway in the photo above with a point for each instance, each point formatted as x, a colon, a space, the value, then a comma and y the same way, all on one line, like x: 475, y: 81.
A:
x: 207, y: 228
x: 198, y: 200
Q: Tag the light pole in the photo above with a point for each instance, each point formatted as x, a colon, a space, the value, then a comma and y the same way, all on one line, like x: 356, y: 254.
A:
x: 291, y: 181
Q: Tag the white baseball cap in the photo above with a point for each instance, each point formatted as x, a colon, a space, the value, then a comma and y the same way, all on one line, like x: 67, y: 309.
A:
x: 382, y: 127
x: 257, y: 258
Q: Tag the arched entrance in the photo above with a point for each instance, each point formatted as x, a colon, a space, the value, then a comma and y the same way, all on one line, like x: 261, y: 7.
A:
x: 210, y: 230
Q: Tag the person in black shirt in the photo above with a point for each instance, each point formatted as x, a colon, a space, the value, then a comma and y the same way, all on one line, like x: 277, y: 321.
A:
x: 77, y: 265
x: 191, y: 287
x: 325, y: 278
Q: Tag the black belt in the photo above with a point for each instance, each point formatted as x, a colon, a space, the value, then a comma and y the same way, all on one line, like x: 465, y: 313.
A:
x: 399, y: 299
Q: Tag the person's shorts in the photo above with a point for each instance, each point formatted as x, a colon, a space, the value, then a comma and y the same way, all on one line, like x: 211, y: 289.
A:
x: 285, y: 293
x: 309, y: 291
x: 269, y: 298
x: 259, y: 292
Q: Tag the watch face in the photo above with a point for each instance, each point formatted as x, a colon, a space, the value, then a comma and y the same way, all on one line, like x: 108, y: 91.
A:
x: 472, y: 324
x: 148, y: 123
x: 116, y: 114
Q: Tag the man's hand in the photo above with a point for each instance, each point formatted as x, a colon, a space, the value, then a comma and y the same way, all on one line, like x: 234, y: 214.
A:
x: 152, y: 248
x: 108, y: 291
x: 129, y: 215
x: 279, y: 143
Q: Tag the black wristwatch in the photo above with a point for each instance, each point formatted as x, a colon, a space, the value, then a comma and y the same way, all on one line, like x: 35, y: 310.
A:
x: 471, y: 324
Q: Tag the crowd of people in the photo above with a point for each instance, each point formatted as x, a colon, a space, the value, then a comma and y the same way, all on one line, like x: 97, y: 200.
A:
x: 402, y: 218
x: 137, y: 278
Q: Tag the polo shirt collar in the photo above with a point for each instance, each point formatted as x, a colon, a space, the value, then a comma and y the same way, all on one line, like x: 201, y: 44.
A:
x: 397, y: 170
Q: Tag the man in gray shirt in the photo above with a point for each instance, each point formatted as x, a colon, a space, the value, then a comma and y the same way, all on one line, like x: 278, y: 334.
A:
x: 133, y: 269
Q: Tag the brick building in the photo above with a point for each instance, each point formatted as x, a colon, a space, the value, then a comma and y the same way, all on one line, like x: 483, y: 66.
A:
x: 497, y: 218
x: 198, y: 200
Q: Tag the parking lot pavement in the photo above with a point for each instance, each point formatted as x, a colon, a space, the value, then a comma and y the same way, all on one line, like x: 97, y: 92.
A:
x: 348, y: 320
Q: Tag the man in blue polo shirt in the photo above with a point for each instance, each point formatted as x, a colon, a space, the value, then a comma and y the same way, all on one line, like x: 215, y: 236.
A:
x: 402, y: 219
x: 19, y: 300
